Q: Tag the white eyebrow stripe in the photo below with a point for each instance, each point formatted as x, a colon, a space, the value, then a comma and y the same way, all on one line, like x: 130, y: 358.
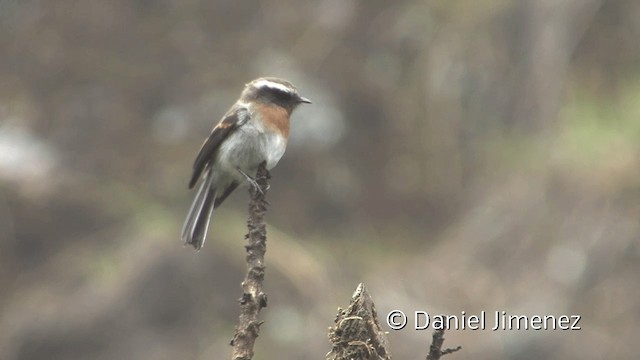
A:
x: 273, y: 85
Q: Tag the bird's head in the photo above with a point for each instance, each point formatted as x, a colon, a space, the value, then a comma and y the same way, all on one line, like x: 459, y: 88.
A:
x: 273, y: 91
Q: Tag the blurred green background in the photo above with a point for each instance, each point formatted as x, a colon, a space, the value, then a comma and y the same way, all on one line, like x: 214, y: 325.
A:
x: 458, y: 156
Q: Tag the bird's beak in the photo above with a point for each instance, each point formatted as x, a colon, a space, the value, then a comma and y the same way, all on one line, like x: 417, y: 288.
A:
x: 304, y: 100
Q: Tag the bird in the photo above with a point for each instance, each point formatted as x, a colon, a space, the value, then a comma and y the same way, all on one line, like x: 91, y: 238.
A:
x: 254, y: 130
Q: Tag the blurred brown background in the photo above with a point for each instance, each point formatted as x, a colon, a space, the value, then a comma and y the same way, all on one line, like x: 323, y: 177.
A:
x: 459, y: 156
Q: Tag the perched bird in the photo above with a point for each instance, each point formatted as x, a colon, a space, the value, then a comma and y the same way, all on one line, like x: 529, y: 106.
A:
x: 254, y: 130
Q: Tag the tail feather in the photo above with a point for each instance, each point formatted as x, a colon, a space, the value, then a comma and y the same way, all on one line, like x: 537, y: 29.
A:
x: 194, y: 230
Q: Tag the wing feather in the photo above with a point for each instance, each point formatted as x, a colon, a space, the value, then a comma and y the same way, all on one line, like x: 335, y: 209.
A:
x: 235, y: 117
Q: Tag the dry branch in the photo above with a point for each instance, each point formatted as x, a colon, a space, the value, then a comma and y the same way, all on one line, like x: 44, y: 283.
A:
x: 435, y: 350
x: 357, y: 334
x: 253, y: 297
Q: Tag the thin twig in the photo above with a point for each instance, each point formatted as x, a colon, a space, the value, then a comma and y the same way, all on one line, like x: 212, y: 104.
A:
x: 435, y: 350
x: 253, y: 297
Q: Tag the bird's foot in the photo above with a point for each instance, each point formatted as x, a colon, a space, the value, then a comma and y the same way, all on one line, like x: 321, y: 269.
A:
x: 252, y: 181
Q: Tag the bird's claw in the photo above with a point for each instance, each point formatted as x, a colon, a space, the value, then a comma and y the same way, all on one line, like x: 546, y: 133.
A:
x: 255, y: 185
x: 253, y: 182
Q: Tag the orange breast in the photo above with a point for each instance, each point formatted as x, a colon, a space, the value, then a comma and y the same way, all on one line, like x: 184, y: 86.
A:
x: 275, y: 118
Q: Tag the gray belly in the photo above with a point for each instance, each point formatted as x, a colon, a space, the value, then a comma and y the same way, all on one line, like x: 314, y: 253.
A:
x: 247, y: 147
